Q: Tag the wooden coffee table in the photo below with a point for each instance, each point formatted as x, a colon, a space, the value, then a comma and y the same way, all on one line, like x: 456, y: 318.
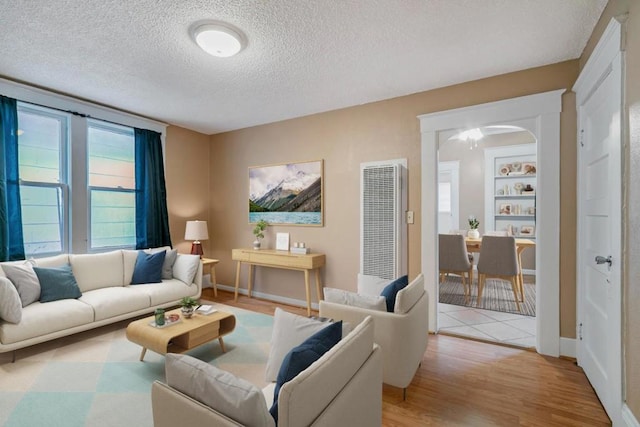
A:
x: 182, y: 336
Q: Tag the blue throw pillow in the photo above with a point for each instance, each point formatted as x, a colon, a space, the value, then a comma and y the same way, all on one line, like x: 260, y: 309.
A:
x: 57, y: 283
x: 390, y: 291
x: 148, y: 268
x: 302, y: 356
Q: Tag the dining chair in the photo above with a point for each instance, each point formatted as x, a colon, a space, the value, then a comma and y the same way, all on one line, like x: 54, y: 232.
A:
x: 454, y: 258
x: 499, y: 260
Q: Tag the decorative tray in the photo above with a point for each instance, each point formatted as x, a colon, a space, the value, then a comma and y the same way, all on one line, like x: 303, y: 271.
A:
x: 167, y: 323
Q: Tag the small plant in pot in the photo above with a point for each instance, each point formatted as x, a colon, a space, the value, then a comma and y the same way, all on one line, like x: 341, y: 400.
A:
x: 473, y: 227
x: 188, y: 306
x: 258, y: 231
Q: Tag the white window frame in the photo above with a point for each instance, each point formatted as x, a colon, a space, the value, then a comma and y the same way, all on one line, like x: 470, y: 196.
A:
x: 78, y: 218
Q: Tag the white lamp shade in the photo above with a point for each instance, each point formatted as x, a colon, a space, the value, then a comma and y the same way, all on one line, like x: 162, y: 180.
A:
x: 196, y: 230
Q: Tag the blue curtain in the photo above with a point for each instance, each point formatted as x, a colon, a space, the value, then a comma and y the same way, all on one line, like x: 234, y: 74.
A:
x: 11, y: 239
x: 152, y: 219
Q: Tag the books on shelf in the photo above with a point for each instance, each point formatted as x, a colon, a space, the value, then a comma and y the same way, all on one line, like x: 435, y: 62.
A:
x: 205, y: 309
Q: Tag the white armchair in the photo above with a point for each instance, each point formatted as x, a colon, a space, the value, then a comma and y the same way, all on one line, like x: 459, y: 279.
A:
x: 402, y: 335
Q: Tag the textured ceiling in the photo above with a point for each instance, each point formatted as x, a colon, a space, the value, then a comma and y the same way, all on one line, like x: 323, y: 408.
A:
x: 302, y: 56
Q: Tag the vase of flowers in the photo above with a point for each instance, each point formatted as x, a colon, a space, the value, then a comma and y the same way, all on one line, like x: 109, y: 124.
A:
x: 473, y: 227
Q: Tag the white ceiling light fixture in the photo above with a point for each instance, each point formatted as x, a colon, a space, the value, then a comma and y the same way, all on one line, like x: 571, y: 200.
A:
x: 472, y: 136
x: 218, y: 39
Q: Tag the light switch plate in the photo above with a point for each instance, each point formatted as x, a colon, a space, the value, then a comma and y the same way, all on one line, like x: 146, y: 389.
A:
x: 409, y: 217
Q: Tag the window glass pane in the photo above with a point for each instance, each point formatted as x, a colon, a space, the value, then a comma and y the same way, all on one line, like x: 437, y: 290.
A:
x: 112, y: 219
x: 444, y: 197
x: 41, y: 219
x: 39, y: 143
x: 111, y: 156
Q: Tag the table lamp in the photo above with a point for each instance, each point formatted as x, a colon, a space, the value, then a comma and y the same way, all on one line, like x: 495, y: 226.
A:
x: 196, y: 231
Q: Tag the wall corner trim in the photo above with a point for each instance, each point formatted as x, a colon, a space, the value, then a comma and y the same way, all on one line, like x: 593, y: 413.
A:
x: 628, y: 418
x: 568, y: 347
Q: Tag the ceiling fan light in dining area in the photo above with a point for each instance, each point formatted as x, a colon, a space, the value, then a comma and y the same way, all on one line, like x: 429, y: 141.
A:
x: 218, y: 39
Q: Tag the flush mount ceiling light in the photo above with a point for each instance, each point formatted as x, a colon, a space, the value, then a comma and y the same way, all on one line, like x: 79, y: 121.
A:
x: 218, y: 39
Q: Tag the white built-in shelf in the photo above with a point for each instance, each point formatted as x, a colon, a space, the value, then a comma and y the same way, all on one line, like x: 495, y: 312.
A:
x: 514, y: 216
x: 514, y: 176
x: 516, y: 196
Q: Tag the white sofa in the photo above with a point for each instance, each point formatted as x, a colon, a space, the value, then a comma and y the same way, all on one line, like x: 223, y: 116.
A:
x: 342, y: 388
x: 107, y: 297
x: 402, y: 335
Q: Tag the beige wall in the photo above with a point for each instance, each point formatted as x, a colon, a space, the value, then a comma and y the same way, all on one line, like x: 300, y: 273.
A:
x: 344, y: 139
x: 472, y: 177
x: 187, y: 178
x: 631, y: 158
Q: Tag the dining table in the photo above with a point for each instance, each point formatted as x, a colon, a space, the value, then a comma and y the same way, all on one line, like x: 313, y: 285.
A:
x: 475, y: 243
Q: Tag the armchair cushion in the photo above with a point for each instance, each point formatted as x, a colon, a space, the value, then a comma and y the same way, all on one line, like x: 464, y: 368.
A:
x: 340, y: 296
x: 371, y: 285
x: 289, y: 330
x: 302, y: 356
x: 392, y: 289
x: 407, y: 297
x: 234, y: 397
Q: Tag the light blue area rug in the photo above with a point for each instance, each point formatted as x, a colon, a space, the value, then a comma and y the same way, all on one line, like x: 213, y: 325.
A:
x: 96, y: 379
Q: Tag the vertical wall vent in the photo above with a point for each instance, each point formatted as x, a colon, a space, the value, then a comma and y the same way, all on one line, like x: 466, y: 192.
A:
x: 383, y: 232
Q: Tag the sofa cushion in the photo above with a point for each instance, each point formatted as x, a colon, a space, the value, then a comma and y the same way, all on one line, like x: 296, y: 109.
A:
x: 95, y: 271
x: 41, y: 319
x: 129, y: 258
x: 302, y: 356
x: 406, y: 298
x: 167, y: 291
x: 57, y: 283
x: 185, y: 268
x: 233, y: 397
x: 52, y: 261
x: 340, y: 296
x: 289, y: 330
x: 25, y: 280
x: 390, y: 291
x: 169, y: 260
x: 148, y: 268
x: 115, y: 301
x: 371, y: 285
x: 10, y: 304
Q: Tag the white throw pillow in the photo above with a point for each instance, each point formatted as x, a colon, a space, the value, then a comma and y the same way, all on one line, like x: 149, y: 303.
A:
x: 185, y: 267
x: 289, y: 331
x: 340, y: 296
x: 25, y: 280
x: 10, y: 304
x: 231, y: 396
x: 407, y: 297
x: 371, y: 285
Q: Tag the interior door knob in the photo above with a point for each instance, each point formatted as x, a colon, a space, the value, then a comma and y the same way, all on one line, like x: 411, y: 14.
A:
x: 603, y: 260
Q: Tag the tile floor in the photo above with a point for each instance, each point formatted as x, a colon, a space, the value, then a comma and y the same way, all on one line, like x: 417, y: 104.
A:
x: 506, y: 328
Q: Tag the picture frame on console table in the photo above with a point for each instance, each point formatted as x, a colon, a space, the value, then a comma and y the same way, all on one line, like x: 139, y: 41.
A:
x: 287, y: 193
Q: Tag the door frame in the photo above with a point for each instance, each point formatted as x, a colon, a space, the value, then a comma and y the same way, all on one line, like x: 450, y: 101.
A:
x: 539, y: 114
x: 606, y: 59
x: 453, y: 167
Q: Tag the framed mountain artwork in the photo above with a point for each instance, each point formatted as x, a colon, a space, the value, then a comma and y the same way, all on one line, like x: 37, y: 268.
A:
x: 289, y: 193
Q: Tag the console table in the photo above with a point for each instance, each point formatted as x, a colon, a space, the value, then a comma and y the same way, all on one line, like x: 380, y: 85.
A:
x: 279, y: 259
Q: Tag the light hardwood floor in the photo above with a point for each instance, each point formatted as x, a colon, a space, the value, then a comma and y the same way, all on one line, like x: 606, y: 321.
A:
x: 470, y: 383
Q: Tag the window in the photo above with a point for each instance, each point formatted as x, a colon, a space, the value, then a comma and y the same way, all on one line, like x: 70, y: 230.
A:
x: 111, y: 170
x: 42, y: 165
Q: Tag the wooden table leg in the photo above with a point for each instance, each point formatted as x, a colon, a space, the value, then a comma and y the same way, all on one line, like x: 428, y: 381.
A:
x: 306, y: 286
x: 144, y: 351
x: 250, y: 283
x: 319, y: 286
x: 214, y: 282
x: 237, y: 280
x: 224, y: 350
x: 521, y: 276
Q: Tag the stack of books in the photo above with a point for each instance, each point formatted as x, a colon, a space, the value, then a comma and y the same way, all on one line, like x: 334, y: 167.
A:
x: 205, y: 309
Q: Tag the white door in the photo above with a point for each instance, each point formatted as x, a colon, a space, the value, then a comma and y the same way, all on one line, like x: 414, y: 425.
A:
x: 599, y: 236
x: 448, y: 196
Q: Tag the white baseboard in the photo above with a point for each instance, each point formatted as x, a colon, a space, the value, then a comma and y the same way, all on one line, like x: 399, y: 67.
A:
x: 628, y: 418
x: 568, y: 347
x: 270, y: 297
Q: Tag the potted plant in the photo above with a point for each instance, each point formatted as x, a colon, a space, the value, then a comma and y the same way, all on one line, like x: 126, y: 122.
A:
x: 188, y: 305
x: 258, y: 231
x: 473, y: 227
